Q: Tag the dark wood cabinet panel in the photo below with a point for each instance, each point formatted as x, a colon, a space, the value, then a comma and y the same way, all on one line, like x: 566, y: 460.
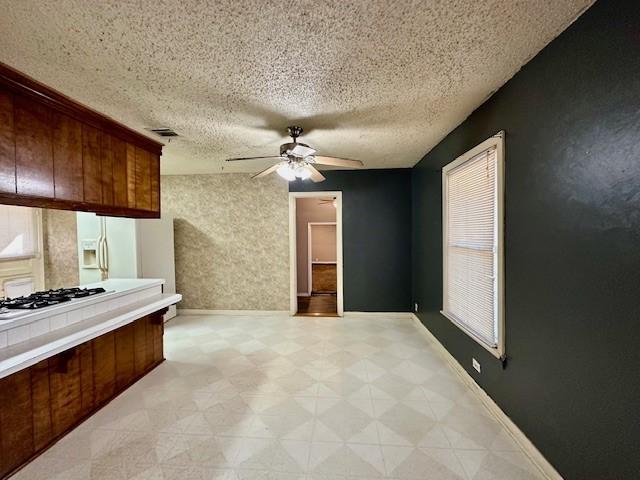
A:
x: 47, y: 400
x: 56, y: 153
x: 143, y: 179
x: 40, y: 394
x: 7, y: 145
x: 104, y: 367
x: 131, y: 175
x: 91, y: 164
x: 87, y: 392
x: 16, y: 420
x: 106, y: 153
x: 157, y: 327
x: 324, y: 278
x: 67, y: 158
x: 125, y: 366
x: 150, y: 343
x: 140, y: 350
x: 155, y: 182
x: 119, y: 151
x: 34, y: 148
x: 66, y: 390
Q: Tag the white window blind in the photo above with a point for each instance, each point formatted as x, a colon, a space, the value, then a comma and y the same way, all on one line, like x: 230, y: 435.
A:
x: 471, y: 241
x: 18, y: 235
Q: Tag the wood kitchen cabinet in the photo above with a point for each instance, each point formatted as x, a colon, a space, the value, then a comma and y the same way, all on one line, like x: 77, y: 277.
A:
x: 33, y: 148
x: 16, y: 421
x: 45, y: 401
x: 104, y: 367
x: 56, y: 153
x: 67, y: 158
x: 66, y: 390
x: 7, y: 144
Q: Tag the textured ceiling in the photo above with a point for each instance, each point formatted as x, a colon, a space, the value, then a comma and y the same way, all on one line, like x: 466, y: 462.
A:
x: 380, y: 81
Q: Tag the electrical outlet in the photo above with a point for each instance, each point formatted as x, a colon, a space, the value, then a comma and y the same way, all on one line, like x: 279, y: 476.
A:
x: 415, y: 307
x: 476, y: 364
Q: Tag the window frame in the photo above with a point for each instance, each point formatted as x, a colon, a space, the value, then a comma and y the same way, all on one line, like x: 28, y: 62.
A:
x: 36, y: 222
x: 497, y: 142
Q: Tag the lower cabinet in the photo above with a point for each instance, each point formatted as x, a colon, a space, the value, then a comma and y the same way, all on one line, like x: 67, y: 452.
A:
x: 43, y: 402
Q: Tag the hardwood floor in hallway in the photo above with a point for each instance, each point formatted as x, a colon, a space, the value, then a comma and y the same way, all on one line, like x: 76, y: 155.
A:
x: 318, y: 305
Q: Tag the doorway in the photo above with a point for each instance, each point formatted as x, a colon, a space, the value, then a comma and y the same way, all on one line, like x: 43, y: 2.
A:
x: 315, y: 235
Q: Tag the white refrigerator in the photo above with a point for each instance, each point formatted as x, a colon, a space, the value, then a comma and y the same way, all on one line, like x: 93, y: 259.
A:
x: 113, y: 247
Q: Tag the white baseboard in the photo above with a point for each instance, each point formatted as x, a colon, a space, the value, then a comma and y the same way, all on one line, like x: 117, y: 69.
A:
x: 518, y: 436
x: 406, y: 315
x: 191, y: 311
x: 304, y: 294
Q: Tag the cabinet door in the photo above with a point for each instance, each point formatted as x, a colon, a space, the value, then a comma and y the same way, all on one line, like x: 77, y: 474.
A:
x: 143, y: 179
x: 143, y: 347
x: 42, y: 429
x: 34, y: 152
x: 131, y: 176
x: 157, y: 332
x: 104, y: 367
x: 119, y: 150
x: 91, y: 164
x: 87, y: 393
x: 66, y: 391
x: 155, y: 182
x: 125, y: 360
x: 67, y: 158
x: 16, y: 420
x: 106, y: 153
x: 7, y: 145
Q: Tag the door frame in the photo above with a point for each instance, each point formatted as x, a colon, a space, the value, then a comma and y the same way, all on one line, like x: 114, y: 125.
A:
x: 310, y: 261
x: 293, y: 251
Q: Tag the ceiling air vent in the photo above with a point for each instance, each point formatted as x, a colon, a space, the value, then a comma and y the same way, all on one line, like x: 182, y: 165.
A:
x: 164, y: 132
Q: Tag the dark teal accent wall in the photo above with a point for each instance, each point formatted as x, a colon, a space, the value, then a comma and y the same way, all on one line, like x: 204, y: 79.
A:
x: 376, y: 213
x: 572, y: 245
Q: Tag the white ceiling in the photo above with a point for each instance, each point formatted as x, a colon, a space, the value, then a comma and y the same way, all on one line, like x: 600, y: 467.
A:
x: 380, y: 81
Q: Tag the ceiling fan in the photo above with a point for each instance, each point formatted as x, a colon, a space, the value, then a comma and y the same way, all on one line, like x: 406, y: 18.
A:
x: 328, y: 201
x: 297, y: 160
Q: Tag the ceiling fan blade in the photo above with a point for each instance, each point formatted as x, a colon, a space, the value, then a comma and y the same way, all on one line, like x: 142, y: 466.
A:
x: 338, y: 162
x: 316, y: 176
x: 267, y: 171
x: 237, y: 159
x: 302, y: 151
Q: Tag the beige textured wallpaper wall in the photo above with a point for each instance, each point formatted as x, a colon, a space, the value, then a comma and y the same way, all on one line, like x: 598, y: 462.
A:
x: 60, y: 248
x: 231, y: 240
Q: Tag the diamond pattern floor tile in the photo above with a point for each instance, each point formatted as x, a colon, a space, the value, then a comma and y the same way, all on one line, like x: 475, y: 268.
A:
x: 274, y: 397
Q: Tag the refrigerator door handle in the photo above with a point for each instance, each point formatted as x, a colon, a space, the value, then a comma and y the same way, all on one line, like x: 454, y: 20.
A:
x: 105, y: 256
x: 99, y: 252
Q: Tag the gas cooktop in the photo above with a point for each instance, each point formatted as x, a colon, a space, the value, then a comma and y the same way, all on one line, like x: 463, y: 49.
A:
x: 44, y: 299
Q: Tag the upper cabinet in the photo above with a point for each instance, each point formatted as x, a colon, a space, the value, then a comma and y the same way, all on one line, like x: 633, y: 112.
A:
x: 56, y: 153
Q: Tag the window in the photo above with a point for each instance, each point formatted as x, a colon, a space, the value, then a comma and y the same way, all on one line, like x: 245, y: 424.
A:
x: 18, y: 233
x: 472, y: 188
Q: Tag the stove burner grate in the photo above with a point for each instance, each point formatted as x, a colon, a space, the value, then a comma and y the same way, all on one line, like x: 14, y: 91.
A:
x: 47, y: 298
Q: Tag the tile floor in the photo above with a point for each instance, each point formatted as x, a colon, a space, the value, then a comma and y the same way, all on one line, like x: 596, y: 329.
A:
x: 243, y: 398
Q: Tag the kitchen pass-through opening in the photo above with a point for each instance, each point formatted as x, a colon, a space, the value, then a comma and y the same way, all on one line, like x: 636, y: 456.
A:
x: 316, y: 232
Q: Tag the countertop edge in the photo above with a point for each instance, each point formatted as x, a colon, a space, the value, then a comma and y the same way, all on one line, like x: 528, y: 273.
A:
x: 36, y: 351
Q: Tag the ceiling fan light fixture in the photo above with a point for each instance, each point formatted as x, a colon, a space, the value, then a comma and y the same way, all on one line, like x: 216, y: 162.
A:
x: 302, y: 172
x: 299, y: 160
x: 286, y: 172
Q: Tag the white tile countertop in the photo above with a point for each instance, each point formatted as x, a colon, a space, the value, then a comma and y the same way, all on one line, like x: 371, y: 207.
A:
x: 31, y: 338
x: 115, y: 287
